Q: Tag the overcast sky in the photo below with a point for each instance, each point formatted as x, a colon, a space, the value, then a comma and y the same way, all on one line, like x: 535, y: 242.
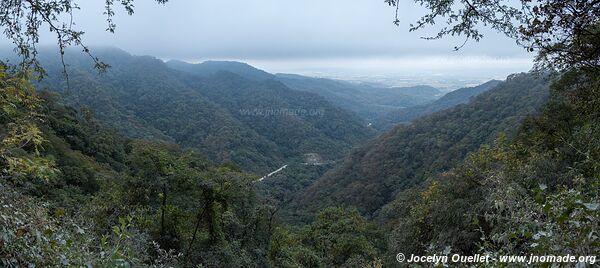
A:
x: 320, y: 37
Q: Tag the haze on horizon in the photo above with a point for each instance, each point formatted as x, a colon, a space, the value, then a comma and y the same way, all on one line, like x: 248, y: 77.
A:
x: 337, y: 38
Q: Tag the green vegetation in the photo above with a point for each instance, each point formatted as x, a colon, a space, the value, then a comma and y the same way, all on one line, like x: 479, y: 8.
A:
x: 449, y: 100
x: 367, y: 101
x: 297, y: 122
x: 282, y: 188
x: 516, y: 171
x: 75, y: 193
x: 536, y: 194
x: 256, y: 125
x: 407, y: 155
x: 337, y: 238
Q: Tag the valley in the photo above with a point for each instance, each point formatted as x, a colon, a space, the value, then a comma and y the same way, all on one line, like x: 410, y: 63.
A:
x: 299, y: 134
x: 263, y: 124
x: 299, y: 148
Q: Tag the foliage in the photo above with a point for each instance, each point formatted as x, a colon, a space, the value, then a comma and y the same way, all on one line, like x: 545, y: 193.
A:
x: 286, y: 250
x: 21, y: 137
x: 143, y: 98
x: 297, y: 122
x: 535, y: 194
x: 75, y: 193
x: 449, y: 100
x: 367, y: 101
x: 373, y: 174
x: 282, y: 188
x: 119, y: 202
x: 337, y: 238
x: 32, y: 234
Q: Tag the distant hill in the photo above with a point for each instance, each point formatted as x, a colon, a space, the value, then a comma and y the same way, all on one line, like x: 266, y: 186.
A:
x: 208, y: 68
x: 370, y: 176
x: 422, y: 92
x: 451, y: 99
x: 255, y: 124
x: 367, y: 101
x: 298, y: 122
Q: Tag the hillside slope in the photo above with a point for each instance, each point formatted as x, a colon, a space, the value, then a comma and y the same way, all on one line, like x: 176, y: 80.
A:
x: 297, y: 122
x: 79, y: 194
x: 451, y: 99
x: 209, y: 68
x: 366, y: 101
x: 370, y: 176
x: 217, y: 114
x: 369, y: 102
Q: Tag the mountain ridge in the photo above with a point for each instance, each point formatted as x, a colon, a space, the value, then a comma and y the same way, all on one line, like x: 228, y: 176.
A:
x: 210, y: 67
x: 143, y: 97
x: 364, y: 100
x: 371, y: 175
x: 448, y: 100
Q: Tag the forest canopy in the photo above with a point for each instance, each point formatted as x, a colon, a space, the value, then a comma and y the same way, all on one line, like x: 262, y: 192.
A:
x: 74, y: 192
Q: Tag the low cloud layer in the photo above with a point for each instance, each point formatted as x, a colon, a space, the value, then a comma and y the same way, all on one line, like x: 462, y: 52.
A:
x: 286, y: 35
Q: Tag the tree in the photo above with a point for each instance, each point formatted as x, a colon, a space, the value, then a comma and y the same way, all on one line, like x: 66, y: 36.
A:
x: 21, y: 137
x: 564, y: 33
x: 22, y: 21
x: 338, y: 237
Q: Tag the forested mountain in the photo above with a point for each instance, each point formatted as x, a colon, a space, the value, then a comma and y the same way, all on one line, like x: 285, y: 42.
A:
x: 298, y: 122
x: 366, y: 101
x: 142, y: 91
x: 90, y: 197
x: 115, y: 169
x: 372, y: 175
x: 369, y: 102
x: 254, y: 124
x: 451, y: 99
x: 75, y: 193
x: 536, y: 193
x: 209, y: 68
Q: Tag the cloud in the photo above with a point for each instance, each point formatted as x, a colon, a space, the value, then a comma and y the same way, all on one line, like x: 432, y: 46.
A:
x: 274, y: 29
x: 316, y: 31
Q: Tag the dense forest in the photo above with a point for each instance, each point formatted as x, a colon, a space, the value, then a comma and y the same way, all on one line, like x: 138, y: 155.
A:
x: 365, y: 100
x: 89, y: 196
x: 449, y: 100
x: 75, y: 193
x: 255, y: 124
x: 129, y: 161
x: 370, y: 176
x: 535, y: 193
